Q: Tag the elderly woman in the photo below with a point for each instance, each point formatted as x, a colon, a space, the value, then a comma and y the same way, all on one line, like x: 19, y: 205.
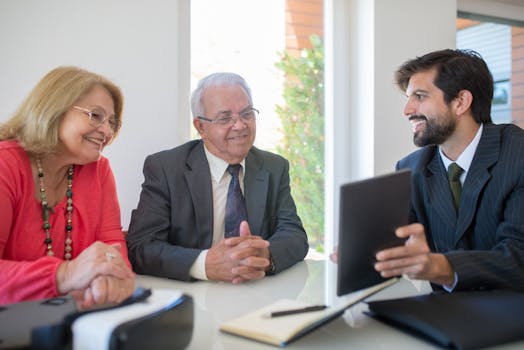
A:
x: 60, y: 230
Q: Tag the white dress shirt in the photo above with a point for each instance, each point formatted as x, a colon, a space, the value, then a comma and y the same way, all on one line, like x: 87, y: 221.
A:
x: 220, y: 179
x: 466, y: 157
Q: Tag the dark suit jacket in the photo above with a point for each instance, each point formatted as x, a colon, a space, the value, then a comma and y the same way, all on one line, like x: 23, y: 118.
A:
x: 173, y: 222
x: 485, y: 242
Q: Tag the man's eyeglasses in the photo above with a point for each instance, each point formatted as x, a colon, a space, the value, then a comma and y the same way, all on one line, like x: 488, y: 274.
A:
x: 97, y: 117
x: 228, y: 120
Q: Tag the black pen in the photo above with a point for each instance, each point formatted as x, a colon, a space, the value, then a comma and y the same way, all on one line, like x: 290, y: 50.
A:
x: 297, y: 311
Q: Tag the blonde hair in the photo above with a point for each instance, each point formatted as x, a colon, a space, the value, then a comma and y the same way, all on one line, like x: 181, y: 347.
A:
x: 35, y: 124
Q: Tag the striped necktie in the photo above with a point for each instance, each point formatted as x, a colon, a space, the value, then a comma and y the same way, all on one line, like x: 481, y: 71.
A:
x: 236, y: 210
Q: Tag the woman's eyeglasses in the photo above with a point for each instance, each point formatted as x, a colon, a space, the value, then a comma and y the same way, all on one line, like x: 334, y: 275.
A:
x: 97, y: 117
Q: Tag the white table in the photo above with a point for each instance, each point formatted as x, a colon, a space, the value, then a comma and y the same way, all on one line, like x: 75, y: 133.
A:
x: 311, y: 281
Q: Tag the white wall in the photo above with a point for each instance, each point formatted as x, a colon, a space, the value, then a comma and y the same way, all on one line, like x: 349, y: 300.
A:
x: 400, y: 35
x: 143, y: 46
x: 365, y: 43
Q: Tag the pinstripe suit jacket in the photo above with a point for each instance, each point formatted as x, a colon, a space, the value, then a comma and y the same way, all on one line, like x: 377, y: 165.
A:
x: 173, y: 222
x: 484, y: 242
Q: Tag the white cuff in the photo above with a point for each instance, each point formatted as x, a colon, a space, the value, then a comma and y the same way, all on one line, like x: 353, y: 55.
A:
x: 453, y: 285
x: 198, y: 269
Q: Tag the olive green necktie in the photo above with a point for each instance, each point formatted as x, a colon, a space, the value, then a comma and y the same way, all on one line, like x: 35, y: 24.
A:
x: 454, y: 172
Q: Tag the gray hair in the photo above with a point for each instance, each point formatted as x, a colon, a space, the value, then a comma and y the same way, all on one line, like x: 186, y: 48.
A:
x: 212, y: 80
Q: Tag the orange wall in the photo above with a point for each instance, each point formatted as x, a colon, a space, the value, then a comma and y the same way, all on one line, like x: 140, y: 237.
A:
x: 303, y: 18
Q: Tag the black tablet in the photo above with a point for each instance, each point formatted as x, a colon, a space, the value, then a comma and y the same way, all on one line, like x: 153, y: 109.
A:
x: 370, y: 211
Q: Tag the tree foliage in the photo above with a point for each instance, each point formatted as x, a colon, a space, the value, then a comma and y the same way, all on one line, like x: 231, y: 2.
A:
x: 303, y: 134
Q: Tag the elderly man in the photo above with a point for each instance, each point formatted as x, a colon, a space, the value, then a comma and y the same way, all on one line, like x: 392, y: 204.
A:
x: 217, y: 208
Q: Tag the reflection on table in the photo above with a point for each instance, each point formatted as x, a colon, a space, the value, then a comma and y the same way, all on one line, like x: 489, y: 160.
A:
x: 311, y: 281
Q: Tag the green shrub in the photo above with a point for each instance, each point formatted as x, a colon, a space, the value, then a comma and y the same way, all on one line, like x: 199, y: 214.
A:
x: 303, y: 134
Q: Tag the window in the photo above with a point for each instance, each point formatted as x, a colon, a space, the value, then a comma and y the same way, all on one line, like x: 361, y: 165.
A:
x: 501, y: 44
x: 250, y: 38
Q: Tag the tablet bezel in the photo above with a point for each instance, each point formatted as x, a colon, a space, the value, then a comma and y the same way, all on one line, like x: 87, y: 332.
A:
x: 370, y: 211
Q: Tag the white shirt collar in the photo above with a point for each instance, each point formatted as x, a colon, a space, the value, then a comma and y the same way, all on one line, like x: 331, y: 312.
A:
x: 218, y: 166
x: 466, y: 157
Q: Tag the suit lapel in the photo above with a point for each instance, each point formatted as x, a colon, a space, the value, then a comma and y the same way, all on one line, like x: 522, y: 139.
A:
x: 198, y: 177
x: 486, y: 155
x: 256, y: 184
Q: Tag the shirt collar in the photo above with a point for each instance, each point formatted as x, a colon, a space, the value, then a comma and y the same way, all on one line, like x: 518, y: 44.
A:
x: 218, y: 166
x: 466, y: 157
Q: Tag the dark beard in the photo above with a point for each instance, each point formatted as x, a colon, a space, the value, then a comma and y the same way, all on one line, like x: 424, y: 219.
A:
x: 435, y: 133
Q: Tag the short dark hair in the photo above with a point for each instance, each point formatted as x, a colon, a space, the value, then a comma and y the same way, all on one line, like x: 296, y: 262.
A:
x: 456, y: 70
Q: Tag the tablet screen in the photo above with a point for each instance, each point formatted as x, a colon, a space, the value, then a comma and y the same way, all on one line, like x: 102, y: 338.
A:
x: 370, y: 211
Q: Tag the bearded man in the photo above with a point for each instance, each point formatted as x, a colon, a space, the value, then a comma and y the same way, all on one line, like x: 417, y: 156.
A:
x: 467, y: 206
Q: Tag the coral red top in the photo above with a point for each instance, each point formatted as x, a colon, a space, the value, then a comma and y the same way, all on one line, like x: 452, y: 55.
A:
x: 25, y: 271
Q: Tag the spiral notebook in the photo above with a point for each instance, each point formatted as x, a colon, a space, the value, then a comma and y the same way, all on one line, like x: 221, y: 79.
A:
x: 280, y: 331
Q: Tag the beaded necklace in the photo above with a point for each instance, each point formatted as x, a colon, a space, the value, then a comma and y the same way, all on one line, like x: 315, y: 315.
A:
x: 45, y: 212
